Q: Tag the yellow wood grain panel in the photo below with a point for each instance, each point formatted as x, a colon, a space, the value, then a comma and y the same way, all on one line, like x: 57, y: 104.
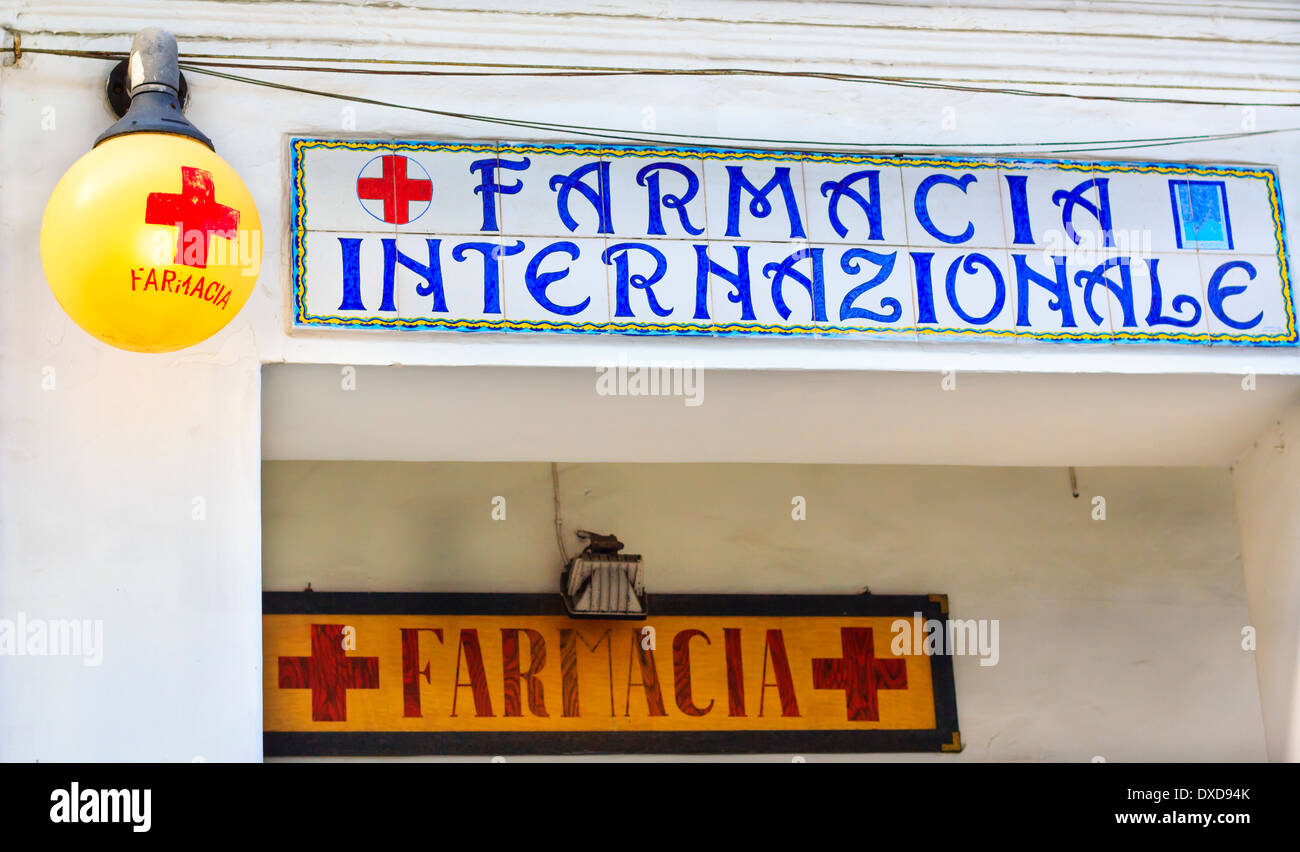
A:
x: 383, y: 708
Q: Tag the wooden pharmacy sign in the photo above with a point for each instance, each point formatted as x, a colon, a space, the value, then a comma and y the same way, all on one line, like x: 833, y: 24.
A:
x: 501, y: 237
x: 371, y: 674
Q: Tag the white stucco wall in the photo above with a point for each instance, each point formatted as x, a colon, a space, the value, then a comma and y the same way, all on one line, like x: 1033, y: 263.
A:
x: 100, y: 472
x: 1267, y: 481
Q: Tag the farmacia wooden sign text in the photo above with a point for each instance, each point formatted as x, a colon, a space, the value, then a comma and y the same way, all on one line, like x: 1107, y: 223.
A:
x: 509, y: 674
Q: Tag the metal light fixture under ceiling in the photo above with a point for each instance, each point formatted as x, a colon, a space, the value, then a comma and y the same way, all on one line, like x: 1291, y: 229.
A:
x: 601, y: 582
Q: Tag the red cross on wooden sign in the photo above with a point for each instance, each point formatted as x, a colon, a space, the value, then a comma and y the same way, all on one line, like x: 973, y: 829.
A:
x: 195, y: 214
x: 859, y: 673
x: 395, y: 189
x: 329, y: 673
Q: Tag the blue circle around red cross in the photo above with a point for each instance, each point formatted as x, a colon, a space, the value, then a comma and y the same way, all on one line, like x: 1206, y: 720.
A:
x: 394, y: 189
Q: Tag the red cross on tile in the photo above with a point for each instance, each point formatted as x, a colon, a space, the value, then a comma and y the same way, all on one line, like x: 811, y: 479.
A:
x: 329, y: 673
x: 395, y: 189
x: 859, y: 674
x: 195, y: 214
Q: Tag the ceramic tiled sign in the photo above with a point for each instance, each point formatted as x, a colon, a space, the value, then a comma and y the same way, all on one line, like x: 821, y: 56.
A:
x: 527, y: 237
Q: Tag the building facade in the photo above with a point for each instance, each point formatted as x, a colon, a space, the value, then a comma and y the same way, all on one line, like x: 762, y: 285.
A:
x: 1123, y: 509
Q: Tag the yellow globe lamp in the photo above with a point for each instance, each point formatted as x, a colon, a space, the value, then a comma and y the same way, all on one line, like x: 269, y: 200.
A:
x: 151, y: 242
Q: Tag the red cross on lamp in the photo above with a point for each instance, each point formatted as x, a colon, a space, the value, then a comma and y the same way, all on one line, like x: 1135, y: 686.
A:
x: 150, y: 241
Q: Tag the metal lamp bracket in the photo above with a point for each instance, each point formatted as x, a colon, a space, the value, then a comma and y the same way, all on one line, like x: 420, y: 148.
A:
x: 154, y: 89
x: 118, y: 90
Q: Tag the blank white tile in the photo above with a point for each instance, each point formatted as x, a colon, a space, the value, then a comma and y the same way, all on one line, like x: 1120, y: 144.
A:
x: 1249, y: 216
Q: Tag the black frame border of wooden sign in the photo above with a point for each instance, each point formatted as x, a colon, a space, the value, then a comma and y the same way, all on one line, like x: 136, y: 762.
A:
x: 944, y: 737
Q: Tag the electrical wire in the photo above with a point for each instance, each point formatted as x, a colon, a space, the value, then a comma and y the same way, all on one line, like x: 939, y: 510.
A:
x: 559, y: 522
x: 658, y: 137
x: 485, y: 69
x: 204, y: 64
